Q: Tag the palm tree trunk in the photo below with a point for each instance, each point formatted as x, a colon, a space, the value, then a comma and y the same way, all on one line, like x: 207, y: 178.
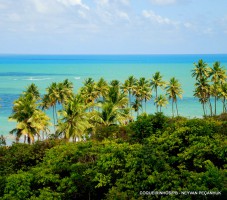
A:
x: 224, y: 105
x: 172, y: 108
x: 56, y: 113
x: 142, y: 104
x: 156, y: 95
x: 145, y: 100
x: 129, y: 93
x: 29, y: 139
x: 211, y: 111
x: 54, y: 118
x: 204, y: 110
x: 176, y: 107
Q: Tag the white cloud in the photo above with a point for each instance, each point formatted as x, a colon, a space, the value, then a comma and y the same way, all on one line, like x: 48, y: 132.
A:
x: 73, y: 3
x: 163, y: 2
x: 157, y: 18
x: 40, y: 6
x: 123, y: 15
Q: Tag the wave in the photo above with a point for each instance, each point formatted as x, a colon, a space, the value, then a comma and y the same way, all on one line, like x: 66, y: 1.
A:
x: 36, y: 79
x: 77, y: 77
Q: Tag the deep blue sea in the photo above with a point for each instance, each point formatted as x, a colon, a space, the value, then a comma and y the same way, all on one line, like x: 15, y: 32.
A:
x: 18, y: 71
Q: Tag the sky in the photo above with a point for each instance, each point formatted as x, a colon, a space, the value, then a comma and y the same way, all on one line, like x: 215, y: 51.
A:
x: 113, y: 26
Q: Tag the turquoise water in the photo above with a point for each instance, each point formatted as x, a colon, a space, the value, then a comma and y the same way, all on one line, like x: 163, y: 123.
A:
x: 18, y: 71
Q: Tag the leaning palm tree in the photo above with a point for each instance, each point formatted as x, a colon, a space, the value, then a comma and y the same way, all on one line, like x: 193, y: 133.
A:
x: 156, y: 81
x: 74, y: 119
x: 173, y: 90
x: 161, y: 101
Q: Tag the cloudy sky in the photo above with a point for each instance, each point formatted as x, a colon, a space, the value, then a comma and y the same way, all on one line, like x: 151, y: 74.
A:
x: 113, y: 26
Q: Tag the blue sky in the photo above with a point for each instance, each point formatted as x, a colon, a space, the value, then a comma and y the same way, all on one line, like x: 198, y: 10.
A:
x: 113, y: 26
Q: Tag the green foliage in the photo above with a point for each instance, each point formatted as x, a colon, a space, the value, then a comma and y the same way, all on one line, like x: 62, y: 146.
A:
x: 147, y: 125
x: 154, y: 153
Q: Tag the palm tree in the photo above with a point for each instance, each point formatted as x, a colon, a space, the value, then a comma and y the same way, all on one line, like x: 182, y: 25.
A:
x: 111, y: 114
x: 50, y: 99
x: 89, y: 92
x: 142, y: 90
x: 223, y: 95
x: 115, y: 96
x: 173, y: 90
x: 32, y: 89
x: 136, y: 106
x: 115, y: 83
x: 65, y: 91
x: 156, y: 82
x: 102, y: 87
x: 202, y: 92
x: 218, y: 77
x: 161, y: 101
x: 128, y: 87
x: 74, y: 119
x: 30, y: 120
x: 146, y: 94
x: 201, y: 70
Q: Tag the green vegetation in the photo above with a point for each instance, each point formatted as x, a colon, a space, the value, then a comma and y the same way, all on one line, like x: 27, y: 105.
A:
x: 97, y: 150
x: 153, y: 153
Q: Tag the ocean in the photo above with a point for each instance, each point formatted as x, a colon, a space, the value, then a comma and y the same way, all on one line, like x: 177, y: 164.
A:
x: 18, y: 71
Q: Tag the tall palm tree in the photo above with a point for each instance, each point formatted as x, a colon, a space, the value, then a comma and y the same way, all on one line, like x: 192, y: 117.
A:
x: 50, y: 99
x: 202, y: 92
x: 223, y: 95
x: 142, y: 90
x: 161, y: 101
x: 128, y: 87
x: 156, y: 81
x: 218, y: 77
x: 174, y: 90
